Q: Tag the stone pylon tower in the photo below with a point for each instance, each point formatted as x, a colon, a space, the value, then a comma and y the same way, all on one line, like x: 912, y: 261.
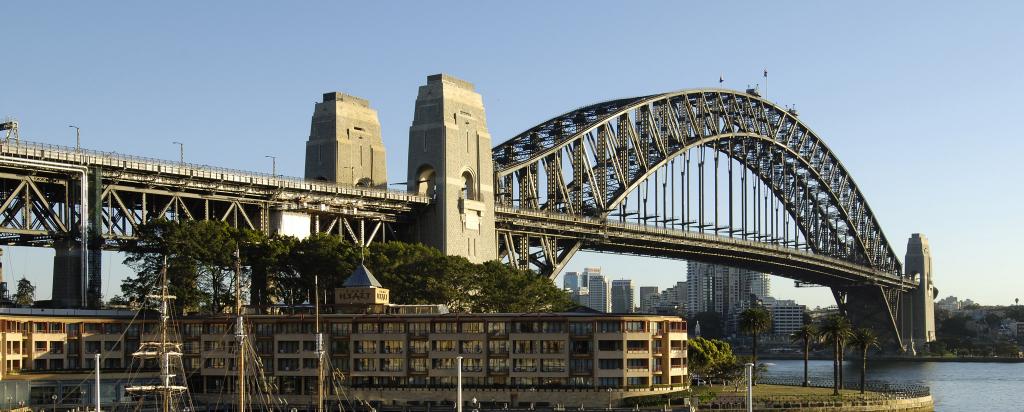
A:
x: 918, y: 306
x: 450, y: 161
x: 345, y: 145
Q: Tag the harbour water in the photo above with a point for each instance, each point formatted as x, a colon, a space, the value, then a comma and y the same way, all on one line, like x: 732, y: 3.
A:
x: 955, y: 386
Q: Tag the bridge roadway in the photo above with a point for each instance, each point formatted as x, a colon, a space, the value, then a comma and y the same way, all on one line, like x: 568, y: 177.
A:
x: 135, y: 189
x: 640, y: 240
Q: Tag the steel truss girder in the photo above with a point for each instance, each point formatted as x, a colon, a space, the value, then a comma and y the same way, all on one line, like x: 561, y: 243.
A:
x: 626, y: 141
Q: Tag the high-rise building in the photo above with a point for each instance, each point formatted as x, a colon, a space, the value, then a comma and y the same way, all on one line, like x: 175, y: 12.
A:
x: 648, y: 298
x: 597, y: 286
x: 588, y: 288
x: 724, y: 290
x: 622, y: 296
x: 787, y: 315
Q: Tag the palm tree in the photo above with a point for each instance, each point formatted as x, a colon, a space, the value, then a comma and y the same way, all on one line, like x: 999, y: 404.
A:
x: 808, y: 334
x: 836, y: 330
x: 863, y: 339
x: 755, y: 321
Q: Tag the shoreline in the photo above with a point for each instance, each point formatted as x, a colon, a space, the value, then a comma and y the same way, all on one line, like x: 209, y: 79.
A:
x: 902, y: 359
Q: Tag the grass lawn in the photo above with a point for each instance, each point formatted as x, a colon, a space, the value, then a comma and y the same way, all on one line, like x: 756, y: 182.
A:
x: 775, y: 390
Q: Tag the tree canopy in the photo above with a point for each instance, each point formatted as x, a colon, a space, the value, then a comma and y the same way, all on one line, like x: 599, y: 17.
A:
x: 710, y: 357
x: 26, y: 294
x: 278, y: 269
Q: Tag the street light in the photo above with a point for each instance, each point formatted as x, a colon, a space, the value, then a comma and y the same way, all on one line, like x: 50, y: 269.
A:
x: 54, y: 398
x: 181, y: 152
x: 78, y: 138
x: 750, y: 387
x: 273, y: 165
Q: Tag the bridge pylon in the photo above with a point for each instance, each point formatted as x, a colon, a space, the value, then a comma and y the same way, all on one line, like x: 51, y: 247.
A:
x: 450, y: 161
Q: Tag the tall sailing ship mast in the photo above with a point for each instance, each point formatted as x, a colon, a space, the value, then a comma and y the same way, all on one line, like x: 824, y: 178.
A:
x: 167, y: 354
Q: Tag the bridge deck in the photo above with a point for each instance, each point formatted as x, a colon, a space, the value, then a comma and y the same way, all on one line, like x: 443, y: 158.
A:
x: 626, y: 238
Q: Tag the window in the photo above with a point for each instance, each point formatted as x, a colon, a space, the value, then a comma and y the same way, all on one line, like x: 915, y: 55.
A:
x: 581, y: 328
x: 472, y: 365
x: 215, y: 328
x: 581, y: 347
x: 309, y: 346
x: 497, y: 347
x: 57, y: 347
x: 263, y: 329
x: 340, y: 329
x: 92, y: 327
x: 636, y: 326
x: 40, y: 345
x: 40, y: 327
x: 497, y: 365
x: 392, y: 327
x: 112, y: 363
x: 419, y: 328
x: 552, y: 365
x: 366, y: 365
x: 111, y: 345
x: 636, y: 346
x: 445, y: 327
x: 609, y: 364
x: 609, y: 382
x: 288, y: 346
x: 609, y: 326
x: 609, y: 345
x: 418, y: 365
x: 676, y: 344
x: 497, y: 328
x: 215, y: 363
x: 471, y: 346
x: 468, y: 187
x: 339, y: 347
x: 366, y: 327
x: 524, y: 346
x: 581, y: 365
x: 309, y: 363
x: 392, y: 346
x: 636, y: 364
x: 524, y: 365
x: 552, y: 346
x: 56, y: 327
x: 366, y: 346
x: 444, y: 346
x: 92, y: 346
x: 443, y: 363
x: 392, y: 364
x: 418, y: 346
x: 287, y: 365
x: 73, y: 329
x: 636, y: 381
x: 472, y: 327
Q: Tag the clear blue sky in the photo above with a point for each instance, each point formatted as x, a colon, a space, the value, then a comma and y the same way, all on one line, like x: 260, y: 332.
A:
x: 919, y: 101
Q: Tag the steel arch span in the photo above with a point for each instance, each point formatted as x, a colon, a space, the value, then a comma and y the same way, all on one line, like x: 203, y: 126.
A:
x: 723, y: 167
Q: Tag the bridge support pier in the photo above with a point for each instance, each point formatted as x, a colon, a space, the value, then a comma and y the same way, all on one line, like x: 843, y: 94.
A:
x: 872, y: 307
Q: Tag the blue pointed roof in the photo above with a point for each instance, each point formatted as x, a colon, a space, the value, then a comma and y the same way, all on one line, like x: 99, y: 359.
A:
x: 361, y: 278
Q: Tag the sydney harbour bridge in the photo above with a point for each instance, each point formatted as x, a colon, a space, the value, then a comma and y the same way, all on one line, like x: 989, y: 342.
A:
x: 712, y: 175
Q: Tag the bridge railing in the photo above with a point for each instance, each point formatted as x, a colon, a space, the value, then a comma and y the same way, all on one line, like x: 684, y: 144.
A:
x: 640, y: 228
x: 87, y: 157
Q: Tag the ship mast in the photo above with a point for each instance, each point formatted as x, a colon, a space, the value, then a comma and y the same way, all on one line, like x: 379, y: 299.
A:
x: 162, y: 350
x: 239, y: 332
x: 319, y: 349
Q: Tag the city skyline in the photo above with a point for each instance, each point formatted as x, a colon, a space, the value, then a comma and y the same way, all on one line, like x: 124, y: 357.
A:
x: 233, y: 108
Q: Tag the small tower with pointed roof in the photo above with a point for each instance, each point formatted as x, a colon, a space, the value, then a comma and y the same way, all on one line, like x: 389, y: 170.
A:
x: 362, y: 290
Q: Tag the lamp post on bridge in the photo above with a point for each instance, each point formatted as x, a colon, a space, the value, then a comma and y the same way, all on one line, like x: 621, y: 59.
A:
x: 273, y: 165
x: 78, y: 138
x: 181, y: 152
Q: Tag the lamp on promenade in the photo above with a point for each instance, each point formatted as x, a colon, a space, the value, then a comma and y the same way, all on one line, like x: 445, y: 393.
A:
x: 78, y: 138
x: 181, y: 152
x: 750, y: 387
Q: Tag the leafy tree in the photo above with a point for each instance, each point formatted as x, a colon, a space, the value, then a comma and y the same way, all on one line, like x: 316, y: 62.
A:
x: 199, y: 256
x: 26, y: 294
x: 808, y: 334
x: 118, y: 300
x: 863, y: 339
x: 710, y: 357
x: 502, y: 288
x: 755, y: 322
x: 836, y: 330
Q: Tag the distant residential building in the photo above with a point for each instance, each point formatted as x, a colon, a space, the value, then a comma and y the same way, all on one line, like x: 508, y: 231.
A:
x: 648, y: 298
x: 949, y: 303
x: 787, y: 315
x: 622, y: 296
x: 724, y: 290
x: 588, y: 288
